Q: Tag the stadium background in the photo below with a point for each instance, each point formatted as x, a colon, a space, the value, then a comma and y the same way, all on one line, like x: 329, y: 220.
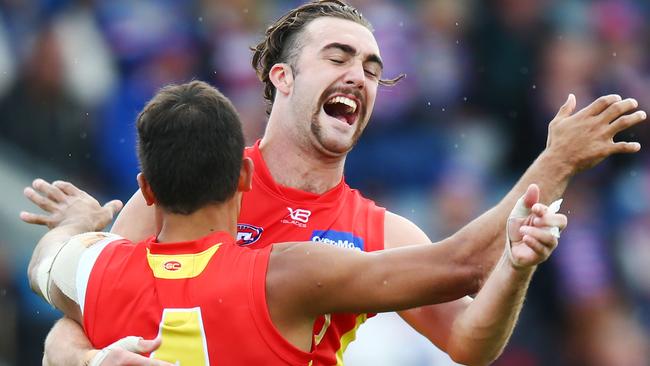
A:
x: 484, y: 78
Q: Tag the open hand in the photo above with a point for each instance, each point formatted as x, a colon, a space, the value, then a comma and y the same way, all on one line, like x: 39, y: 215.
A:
x: 585, y: 138
x: 531, y: 237
x: 65, y: 203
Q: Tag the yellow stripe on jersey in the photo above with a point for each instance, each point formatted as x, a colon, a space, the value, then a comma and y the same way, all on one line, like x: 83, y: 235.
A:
x: 179, y: 266
x: 348, y: 337
x: 183, y: 338
x: 319, y: 337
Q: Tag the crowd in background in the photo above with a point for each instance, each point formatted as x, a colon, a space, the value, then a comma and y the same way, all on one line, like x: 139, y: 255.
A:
x: 484, y: 78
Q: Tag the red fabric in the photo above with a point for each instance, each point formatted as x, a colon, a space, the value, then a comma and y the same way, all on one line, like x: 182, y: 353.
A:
x: 124, y: 298
x: 341, y: 216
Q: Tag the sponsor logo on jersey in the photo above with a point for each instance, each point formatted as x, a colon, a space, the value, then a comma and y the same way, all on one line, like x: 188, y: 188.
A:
x: 298, y: 217
x: 341, y: 239
x: 248, y: 234
x: 172, y: 265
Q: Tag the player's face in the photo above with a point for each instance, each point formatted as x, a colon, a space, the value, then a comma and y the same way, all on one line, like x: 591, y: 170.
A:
x: 338, y: 71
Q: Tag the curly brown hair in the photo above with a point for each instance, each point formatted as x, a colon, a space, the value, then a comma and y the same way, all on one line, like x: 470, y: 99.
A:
x: 280, y: 43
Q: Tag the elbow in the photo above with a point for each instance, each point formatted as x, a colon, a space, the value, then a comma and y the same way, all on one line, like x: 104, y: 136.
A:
x: 469, y: 357
x: 32, y: 274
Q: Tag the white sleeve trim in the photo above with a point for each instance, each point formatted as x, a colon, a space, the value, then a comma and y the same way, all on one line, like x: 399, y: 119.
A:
x: 85, y: 266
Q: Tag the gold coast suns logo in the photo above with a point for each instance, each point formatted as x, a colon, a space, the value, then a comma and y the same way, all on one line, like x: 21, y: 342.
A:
x: 172, y: 265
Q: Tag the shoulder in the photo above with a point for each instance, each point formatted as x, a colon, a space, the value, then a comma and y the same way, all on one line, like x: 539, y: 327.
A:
x: 400, y: 231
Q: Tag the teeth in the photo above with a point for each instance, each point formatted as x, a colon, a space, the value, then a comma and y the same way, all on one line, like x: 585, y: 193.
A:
x: 343, y: 100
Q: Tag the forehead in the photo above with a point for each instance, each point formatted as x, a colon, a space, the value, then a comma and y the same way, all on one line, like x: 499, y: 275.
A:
x: 326, y: 30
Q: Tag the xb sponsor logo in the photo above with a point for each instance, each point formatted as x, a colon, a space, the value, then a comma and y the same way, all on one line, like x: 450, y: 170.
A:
x: 298, y: 217
x: 248, y: 234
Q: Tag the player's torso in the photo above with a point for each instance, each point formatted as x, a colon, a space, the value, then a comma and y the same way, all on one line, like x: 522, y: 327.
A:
x: 273, y: 214
x: 206, y: 302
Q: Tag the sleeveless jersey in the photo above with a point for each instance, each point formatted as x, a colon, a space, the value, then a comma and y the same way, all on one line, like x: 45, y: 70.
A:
x: 206, y: 298
x: 272, y: 213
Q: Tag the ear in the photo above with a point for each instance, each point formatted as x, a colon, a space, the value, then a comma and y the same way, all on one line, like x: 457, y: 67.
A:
x: 281, y: 75
x: 145, y: 188
x: 246, y: 175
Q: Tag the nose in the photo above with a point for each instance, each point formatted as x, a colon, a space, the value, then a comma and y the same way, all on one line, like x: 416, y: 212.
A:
x: 355, y: 76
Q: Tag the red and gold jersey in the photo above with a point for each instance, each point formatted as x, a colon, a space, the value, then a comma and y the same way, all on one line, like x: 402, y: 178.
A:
x: 206, y: 298
x: 272, y: 213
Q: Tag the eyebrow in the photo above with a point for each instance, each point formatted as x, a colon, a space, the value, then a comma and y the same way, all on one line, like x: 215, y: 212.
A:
x: 353, y: 52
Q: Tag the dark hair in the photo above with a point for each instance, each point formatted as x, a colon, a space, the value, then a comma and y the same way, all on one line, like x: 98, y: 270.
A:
x: 280, y: 43
x: 190, y: 146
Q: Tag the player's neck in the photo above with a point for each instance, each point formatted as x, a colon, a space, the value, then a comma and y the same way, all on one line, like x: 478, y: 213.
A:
x: 201, y: 223
x: 301, y: 168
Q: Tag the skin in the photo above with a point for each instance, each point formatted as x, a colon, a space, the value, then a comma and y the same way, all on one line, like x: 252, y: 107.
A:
x: 393, y: 279
x: 309, y: 159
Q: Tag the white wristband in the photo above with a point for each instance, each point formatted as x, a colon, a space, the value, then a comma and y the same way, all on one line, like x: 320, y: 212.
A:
x: 520, y: 211
x: 129, y: 343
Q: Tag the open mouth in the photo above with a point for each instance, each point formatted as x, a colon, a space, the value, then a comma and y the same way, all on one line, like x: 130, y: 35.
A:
x: 342, y: 108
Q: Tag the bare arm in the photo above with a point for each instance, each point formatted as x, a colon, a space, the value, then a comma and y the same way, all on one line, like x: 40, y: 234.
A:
x: 338, y: 280
x: 78, y: 213
x: 135, y: 211
x: 71, y: 212
x: 78, y: 347
x: 575, y: 142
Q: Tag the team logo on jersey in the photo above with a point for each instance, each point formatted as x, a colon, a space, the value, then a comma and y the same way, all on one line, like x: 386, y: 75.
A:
x: 248, y: 234
x: 341, y: 239
x: 172, y: 265
x: 298, y: 217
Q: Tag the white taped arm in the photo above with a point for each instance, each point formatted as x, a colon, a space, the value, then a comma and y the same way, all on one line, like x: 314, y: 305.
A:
x: 61, y: 270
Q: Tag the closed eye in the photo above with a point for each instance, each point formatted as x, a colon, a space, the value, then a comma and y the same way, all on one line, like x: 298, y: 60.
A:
x: 336, y: 61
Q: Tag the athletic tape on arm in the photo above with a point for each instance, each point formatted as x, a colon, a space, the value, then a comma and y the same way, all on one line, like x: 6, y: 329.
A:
x: 64, y: 266
x: 129, y: 343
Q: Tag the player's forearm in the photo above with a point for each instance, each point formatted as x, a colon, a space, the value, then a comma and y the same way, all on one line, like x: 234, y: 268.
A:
x: 49, y: 246
x: 135, y: 210
x: 481, y: 332
x: 67, y: 345
x: 485, y: 237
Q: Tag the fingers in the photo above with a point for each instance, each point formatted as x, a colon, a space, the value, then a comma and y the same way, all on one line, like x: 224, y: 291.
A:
x: 534, y: 235
x: 45, y: 203
x: 531, y: 196
x: 600, y: 104
x: 555, y: 220
x: 567, y: 108
x: 149, y: 345
x: 48, y: 190
x: 617, y: 109
x: 625, y: 147
x: 114, y: 206
x: 67, y: 188
x: 32, y: 218
x: 123, y: 357
x: 627, y: 121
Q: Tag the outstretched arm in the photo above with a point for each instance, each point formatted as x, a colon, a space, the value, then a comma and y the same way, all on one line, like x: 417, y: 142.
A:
x: 71, y: 212
x: 339, y: 280
x: 576, y: 141
x: 78, y: 213
x: 135, y: 211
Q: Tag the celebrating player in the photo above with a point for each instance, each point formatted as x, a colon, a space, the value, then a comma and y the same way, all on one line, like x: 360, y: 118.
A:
x: 321, y: 67
x: 213, y: 301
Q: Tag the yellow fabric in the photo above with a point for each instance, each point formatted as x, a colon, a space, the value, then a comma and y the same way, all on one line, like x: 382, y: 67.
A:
x: 180, y: 266
x: 183, y: 338
x: 348, y: 337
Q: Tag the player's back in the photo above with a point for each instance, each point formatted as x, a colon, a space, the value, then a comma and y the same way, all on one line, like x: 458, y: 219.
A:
x: 206, y: 298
